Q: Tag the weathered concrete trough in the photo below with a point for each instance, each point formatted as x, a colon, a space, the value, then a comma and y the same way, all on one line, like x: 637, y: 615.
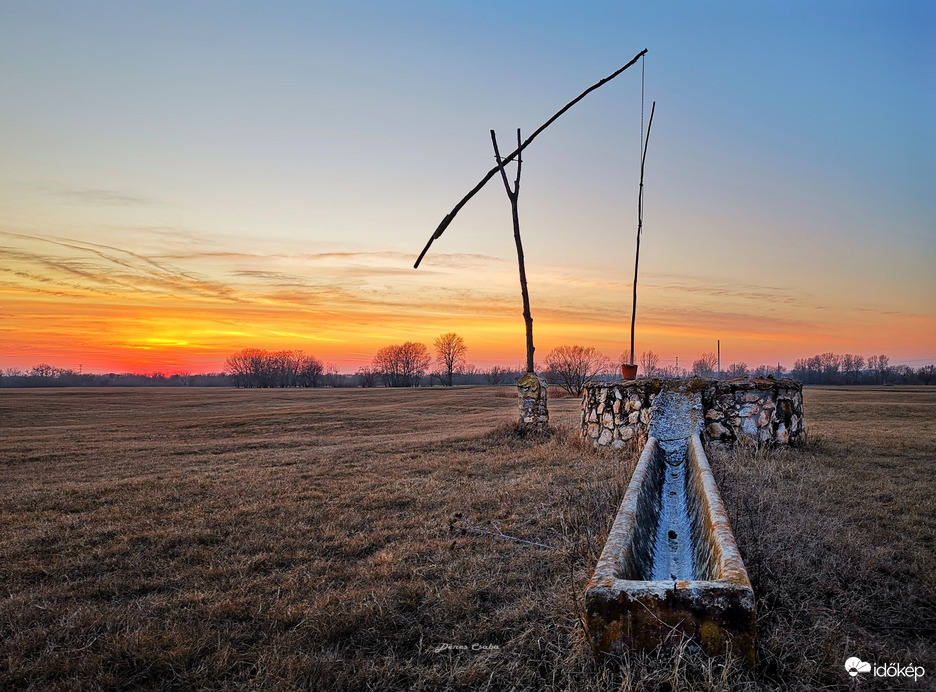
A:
x: 671, y: 567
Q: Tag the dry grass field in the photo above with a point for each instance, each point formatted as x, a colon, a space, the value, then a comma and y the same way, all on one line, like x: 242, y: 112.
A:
x: 308, y: 539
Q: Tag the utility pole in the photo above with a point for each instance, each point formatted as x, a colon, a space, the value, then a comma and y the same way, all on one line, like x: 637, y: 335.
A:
x: 719, y: 358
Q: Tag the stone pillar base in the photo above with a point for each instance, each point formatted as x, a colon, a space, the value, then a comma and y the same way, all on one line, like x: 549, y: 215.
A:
x: 531, y: 394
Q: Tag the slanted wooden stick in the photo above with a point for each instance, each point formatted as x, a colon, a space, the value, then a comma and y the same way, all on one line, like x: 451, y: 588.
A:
x: 491, y: 173
x: 468, y: 527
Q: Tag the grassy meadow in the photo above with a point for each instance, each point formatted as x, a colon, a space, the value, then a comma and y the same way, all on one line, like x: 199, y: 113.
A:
x: 316, y: 539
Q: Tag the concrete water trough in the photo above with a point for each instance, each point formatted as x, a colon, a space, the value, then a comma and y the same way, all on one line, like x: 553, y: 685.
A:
x: 671, y: 568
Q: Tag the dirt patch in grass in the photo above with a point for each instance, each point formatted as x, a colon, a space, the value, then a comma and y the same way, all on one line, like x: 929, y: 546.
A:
x: 210, y: 539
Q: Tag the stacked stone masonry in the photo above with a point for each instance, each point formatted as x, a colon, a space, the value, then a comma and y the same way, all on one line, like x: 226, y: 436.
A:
x: 762, y: 410
x: 531, y: 399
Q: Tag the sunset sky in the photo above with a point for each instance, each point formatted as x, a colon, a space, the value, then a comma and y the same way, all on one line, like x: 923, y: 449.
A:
x: 181, y: 180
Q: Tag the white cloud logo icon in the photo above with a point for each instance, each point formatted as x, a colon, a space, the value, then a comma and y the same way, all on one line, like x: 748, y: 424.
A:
x: 855, y: 665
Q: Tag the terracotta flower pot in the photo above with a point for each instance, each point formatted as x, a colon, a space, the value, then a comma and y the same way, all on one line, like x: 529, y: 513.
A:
x: 629, y: 372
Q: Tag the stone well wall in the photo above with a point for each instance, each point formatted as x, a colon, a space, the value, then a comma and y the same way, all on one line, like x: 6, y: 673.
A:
x: 762, y: 410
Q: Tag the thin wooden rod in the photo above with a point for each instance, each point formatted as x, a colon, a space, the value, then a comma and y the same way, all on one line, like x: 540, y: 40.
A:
x: 491, y: 173
x: 643, y: 160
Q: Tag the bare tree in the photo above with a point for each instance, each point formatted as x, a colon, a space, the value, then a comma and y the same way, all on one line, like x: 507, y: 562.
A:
x: 469, y: 373
x: 254, y: 367
x: 367, y: 376
x: 649, y: 362
x: 737, y: 370
x: 331, y: 375
x: 878, y: 367
x: 801, y: 370
x: 831, y: 364
x: 762, y: 371
x: 572, y: 366
x: 705, y: 365
x: 310, y: 371
x: 883, y: 366
x: 283, y: 369
x: 43, y: 370
x: 496, y: 375
x: 450, y: 352
x: 927, y: 374
x: 402, y: 365
x: 240, y: 367
x: 852, y: 366
x: 902, y: 373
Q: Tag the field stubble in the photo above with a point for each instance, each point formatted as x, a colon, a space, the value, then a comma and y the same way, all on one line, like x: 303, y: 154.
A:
x: 271, y: 539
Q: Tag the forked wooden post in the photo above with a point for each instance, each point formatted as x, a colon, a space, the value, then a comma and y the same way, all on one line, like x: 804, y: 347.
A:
x: 513, y: 195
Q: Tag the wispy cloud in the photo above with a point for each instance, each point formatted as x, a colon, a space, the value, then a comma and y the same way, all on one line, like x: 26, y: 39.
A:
x: 682, y: 285
x: 100, y: 265
x: 92, y: 196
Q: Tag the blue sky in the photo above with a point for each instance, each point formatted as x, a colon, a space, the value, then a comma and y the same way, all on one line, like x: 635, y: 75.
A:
x: 789, y: 180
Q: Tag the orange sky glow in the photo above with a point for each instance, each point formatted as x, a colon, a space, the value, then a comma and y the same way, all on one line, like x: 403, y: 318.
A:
x: 74, y: 303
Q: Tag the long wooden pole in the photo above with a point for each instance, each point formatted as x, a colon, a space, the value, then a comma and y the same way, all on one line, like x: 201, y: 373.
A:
x: 643, y: 160
x: 491, y: 173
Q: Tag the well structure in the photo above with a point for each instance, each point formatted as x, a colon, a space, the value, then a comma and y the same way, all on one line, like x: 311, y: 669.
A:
x: 671, y: 568
x: 762, y: 410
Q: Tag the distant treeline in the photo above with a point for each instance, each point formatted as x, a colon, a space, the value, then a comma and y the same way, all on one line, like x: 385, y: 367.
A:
x: 48, y: 376
x: 401, y: 365
x: 411, y: 365
x: 832, y: 368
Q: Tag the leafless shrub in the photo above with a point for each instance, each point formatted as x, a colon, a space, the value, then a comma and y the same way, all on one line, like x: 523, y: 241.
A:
x: 649, y: 363
x: 571, y: 367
